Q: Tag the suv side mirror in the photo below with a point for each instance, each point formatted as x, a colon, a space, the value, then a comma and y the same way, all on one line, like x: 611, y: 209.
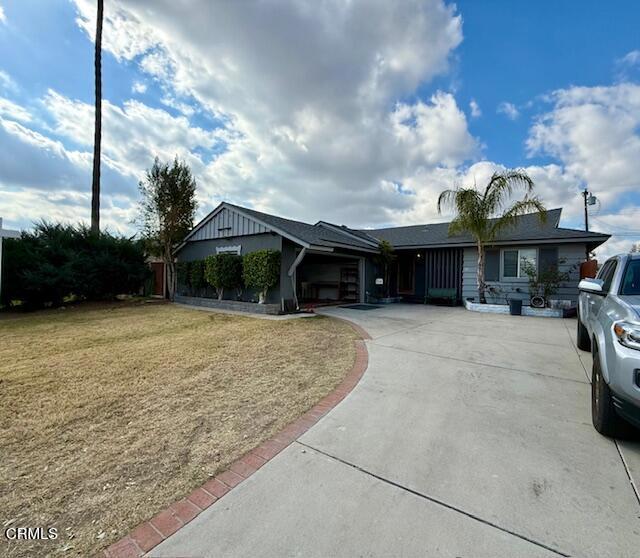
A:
x: 591, y: 285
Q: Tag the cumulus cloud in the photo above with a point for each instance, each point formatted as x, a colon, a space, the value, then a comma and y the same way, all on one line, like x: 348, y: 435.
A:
x: 307, y: 110
x: 509, y: 110
x: 3, y: 16
x: 628, y: 66
x: 13, y: 111
x: 7, y: 83
x: 139, y: 87
x: 475, y: 109
x: 133, y: 134
x: 306, y: 95
x: 594, y: 132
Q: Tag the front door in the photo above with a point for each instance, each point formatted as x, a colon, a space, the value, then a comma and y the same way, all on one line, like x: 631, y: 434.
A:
x: 406, y: 274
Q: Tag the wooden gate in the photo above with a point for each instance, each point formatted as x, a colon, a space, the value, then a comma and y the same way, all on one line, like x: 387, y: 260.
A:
x: 158, y: 278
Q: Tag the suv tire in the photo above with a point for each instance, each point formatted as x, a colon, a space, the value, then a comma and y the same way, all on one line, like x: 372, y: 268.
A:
x: 603, y: 413
x: 582, y: 338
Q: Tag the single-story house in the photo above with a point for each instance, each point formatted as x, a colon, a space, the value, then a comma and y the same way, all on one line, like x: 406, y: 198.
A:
x: 326, y: 262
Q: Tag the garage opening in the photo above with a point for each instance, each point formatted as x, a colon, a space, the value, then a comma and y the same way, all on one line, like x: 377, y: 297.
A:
x: 322, y: 279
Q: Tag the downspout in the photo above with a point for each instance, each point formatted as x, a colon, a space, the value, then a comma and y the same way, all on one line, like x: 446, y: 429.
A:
x: 291, y: 274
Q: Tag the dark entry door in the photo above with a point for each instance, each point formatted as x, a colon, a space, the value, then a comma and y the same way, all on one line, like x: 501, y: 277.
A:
x: 444, y: 269
x: 406, y: 274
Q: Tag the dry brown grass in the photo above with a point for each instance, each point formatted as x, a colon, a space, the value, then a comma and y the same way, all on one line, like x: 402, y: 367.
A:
x: 111, y: 413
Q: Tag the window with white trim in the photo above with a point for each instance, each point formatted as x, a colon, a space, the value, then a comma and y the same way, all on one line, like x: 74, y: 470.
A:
x: 514, y: 260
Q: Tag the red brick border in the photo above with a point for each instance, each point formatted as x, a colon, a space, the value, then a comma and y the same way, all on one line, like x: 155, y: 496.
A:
x: 151, y: 533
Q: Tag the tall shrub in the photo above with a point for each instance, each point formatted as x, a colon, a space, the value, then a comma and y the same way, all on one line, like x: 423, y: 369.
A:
x: 261, y: 271
x: 223, y: 271
x: 55, y: 262
x: 196, y: 276
x: 183, y: 274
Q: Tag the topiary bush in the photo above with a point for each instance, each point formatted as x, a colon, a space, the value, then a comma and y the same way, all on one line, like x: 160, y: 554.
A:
x: 261, y: 271
x: 223, y: 271
x: 196, y: 276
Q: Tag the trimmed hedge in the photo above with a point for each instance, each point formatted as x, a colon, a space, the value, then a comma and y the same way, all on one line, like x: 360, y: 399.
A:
x: 183, y: 276
x: 223, y: 271
x: 197, y: 279
x: 261, y: 271
x: 57, y: 262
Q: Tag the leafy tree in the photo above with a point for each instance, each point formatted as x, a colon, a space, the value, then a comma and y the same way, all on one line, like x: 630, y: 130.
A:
x: 97, y: 138
x: 261, y: 271
x: 223, y: 271
x: 485, y: 214
x: 167, y: 210
x: 385, y: 258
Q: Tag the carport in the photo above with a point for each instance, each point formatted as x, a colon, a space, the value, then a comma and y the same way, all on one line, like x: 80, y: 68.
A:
x: 330, y: 278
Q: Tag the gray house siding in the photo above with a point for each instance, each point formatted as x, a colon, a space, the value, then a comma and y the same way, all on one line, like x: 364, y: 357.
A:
x: 569, y: 258
x: 228, y: 223
x: 200, y: 249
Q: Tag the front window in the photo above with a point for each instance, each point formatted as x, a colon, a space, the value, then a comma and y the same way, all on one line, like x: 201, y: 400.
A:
x: 631, y: 280
x: 514, y: 262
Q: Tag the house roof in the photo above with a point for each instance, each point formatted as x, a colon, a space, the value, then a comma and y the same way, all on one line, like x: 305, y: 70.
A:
x: 325, y: 235
x: 528, y: 228
x: 320, y: 235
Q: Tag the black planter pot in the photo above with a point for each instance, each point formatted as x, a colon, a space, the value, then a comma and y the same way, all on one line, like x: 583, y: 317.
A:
x: 515, y: 307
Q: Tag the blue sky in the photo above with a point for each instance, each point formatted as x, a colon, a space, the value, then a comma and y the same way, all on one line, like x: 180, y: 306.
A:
x: 359, y: 112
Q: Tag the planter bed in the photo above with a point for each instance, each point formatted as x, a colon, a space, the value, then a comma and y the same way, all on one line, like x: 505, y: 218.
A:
x: 526, y: 310
x: 237, y: 305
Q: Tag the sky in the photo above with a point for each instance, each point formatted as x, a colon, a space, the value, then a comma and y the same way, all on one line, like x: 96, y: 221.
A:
x: 358, y: 112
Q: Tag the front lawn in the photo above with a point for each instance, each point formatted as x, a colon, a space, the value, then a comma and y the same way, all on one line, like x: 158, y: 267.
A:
x: 110, y: 413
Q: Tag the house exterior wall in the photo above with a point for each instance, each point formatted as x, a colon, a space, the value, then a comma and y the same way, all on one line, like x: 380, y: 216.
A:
x: 569, y: 258
x: 200, y: 249
x: 228, y: 223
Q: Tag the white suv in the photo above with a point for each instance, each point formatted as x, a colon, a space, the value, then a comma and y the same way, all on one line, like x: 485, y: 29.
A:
x: 609, y: 326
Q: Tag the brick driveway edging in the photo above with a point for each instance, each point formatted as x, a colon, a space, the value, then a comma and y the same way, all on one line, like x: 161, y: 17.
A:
x: 151, y: 533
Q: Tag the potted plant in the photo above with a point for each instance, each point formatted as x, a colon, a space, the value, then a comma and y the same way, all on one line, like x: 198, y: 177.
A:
x: 544, y: 284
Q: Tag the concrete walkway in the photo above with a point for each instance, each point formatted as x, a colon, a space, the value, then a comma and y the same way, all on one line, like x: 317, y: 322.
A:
x: 469, y: 436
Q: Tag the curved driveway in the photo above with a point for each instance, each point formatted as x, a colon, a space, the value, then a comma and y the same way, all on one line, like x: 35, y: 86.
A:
x: 468, y: 436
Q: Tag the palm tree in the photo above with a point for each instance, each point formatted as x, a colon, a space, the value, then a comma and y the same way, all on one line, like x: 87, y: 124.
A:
x: 485, y: 215
x: 95, y: 184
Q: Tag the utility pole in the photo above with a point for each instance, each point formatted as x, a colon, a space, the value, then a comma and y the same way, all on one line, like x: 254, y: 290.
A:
x: 589, y: 199
x: 5, y: 233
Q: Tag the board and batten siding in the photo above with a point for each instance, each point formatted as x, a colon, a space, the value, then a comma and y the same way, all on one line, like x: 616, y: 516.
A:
x: 228, y: 223
x: 569, y: 255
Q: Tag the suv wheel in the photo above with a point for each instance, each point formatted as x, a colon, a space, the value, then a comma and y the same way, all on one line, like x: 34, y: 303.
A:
x: 603, y: 414
x: 583, y: 341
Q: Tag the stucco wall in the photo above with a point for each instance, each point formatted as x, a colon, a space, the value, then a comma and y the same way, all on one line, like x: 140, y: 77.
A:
x: 569, y: 257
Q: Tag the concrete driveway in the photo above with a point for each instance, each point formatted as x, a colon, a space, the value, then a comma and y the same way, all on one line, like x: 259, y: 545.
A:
x: 469, y: 435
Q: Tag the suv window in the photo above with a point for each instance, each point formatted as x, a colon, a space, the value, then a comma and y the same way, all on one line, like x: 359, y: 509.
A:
x: 607, y: 275
x: 631, y: 280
